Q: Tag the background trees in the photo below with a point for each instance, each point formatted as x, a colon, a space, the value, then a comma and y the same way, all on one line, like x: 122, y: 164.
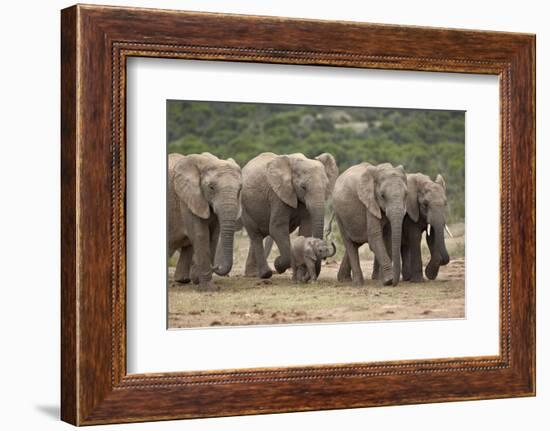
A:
x: 428, y: 141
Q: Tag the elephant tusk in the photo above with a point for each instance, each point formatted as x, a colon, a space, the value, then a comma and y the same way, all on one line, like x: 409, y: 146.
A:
x: 429, y: 229
x: 448, y: 231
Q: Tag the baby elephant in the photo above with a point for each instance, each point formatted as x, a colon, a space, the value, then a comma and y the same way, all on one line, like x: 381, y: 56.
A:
x: 306, y: 252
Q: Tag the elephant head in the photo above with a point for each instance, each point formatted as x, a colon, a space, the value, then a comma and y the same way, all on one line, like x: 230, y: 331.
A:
x: 427, y: 200
x: 206, y: 184
x: 383, y: 190
x: 295, y: 178
x: 317, y: 249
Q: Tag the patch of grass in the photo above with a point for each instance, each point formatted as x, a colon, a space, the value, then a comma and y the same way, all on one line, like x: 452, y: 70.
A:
x: 251, y: 301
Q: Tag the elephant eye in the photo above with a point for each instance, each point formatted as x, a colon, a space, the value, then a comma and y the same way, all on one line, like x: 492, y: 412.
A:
x: 211, y: 186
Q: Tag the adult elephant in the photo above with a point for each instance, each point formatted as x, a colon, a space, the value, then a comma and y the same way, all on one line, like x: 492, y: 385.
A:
x: 369, y: 200
x: 203, y: 204
x: 281, y: 193
x: 426, y: 207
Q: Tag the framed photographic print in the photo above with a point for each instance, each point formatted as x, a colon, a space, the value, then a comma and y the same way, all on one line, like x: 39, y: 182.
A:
x: 265, y: 215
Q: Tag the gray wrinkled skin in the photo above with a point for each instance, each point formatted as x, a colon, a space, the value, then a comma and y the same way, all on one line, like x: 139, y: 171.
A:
x: 307, y: 252
x: 203, y: 205
x: 426, y: 205
x: 282, y: 193
x: 369, y: 201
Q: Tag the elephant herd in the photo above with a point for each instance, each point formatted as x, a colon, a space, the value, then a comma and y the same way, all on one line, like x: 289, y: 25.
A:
x: 273, y: 195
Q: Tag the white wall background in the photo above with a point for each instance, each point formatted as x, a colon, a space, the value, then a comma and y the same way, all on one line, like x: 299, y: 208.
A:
x: 29, y: 214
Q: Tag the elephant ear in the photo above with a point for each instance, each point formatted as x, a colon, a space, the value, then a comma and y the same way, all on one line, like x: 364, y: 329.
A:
x: 367, y: 190
x: 401, y: 169
x: 187, y: 184
x: 412, y: 198
x: 234, y: 163
x: 331, y: 170
x: 441, y: 181
x: 279, y: 177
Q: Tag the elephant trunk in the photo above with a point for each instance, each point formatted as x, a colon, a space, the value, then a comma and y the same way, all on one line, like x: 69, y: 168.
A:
x: 333, y: 249
x: 395, y: 217
x: 317, y: 213
x: 436, y: 241
x: 227, y: 219
x: 440, y: 243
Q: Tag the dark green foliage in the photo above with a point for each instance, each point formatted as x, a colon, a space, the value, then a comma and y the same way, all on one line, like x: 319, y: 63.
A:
x: 426, y: 141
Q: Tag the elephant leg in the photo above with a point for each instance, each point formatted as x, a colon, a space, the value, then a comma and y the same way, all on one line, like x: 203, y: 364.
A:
x: 415, y: 255
x: 352, y: 251
x: 375, y: 269
x: 202, y: 259
x: 257, y: 247
x: 279, y: 231
x: 406, y: 260
x: 344, y: 272
x: 251, y: 269
x: 384, y: 262
x: 303, y: 276
x: 350, y: 262
x: 311, y: 270
x: 294, y: 274
x: 377, y: 244
x: 184, y: 264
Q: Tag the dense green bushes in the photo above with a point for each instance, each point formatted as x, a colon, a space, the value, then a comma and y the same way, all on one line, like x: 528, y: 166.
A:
x: 427, y: 141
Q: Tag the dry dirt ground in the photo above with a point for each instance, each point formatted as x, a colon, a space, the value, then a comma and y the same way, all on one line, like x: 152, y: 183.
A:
x: 251, y: 301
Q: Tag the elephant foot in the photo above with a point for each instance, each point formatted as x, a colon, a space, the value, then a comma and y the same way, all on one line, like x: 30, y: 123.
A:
x: 281, y: 265
x: 387, y: 276
x: 358, y: 279
x: 266, y: 273
x: 183, y: 280
x: 194, y: 274
x: 344, y: 274
x: 375, y: 275
x: 250, y: 272
x: 343, y: 278
x: 415, y: 278
x: 431, y: 271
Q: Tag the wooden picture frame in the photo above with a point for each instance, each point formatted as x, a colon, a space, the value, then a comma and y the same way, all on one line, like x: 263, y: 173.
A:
x: 95, y: 43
